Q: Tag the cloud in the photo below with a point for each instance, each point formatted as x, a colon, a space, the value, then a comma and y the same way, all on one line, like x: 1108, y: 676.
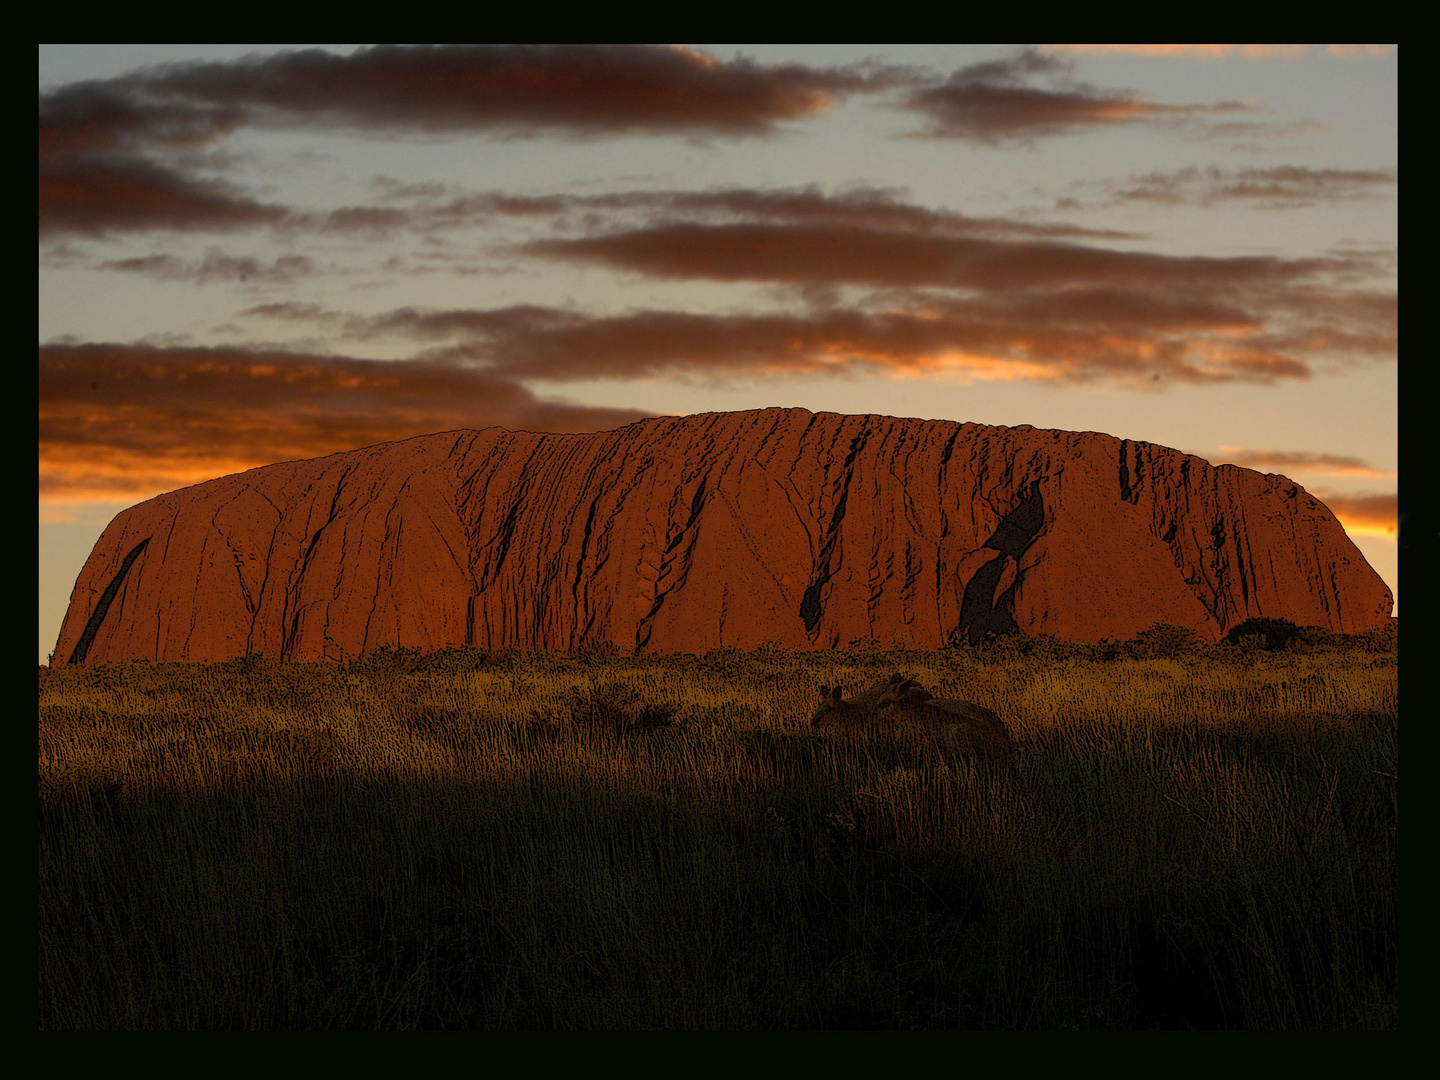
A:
x: 436, y: 213
x: 1365, y: 515
x: 523, y: 89
x: 1223, y: 52
x: 1358, y: 52
x: 113, y: 152
x: 124, y: 422
x: 998, y: 101
x: 81, y: 513
x: 1283, y: 187
x: 436, y: 210
x: 97, y: 194
x: 858, y: 207
x: 929, y: 289
x: 216, y: 266
x: 970, y: 341
x: 516, y: 89
x: 1020, y: 281
x: 1282, y: 313
x: 804, y: 253
x: 1301, y: 461
x: 974, y: 306
x: 293, y: 311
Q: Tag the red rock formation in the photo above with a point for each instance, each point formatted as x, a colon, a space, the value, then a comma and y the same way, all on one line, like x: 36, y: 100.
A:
x: 685, y: 533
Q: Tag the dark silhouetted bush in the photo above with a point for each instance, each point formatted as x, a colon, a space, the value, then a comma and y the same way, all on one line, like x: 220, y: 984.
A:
x: 1162, y: 639
x: 1278, y: 633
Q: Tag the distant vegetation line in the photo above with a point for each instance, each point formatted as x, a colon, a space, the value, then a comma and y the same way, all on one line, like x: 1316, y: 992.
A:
x: 1191, y: 835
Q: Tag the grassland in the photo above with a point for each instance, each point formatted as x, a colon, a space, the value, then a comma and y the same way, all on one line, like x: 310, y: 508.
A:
x: 1191, y: 836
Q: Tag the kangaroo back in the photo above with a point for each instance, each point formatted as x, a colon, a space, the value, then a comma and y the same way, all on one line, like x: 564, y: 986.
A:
x: 862, y: 710
x: 963, y: 726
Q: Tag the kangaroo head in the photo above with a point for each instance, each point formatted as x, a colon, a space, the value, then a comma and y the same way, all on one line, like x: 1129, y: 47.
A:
x: 904, y: 690
x: 900, y: 695
x: 832, y: 705
x: 834, y: 708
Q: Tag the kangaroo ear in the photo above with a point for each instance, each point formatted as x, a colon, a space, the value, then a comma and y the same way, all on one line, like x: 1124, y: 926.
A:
x: 835, y: 695
x: 894, y: 678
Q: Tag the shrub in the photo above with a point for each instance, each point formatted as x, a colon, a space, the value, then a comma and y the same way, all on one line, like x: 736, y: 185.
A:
x: 1162, y: 640
x: 1277, y: 633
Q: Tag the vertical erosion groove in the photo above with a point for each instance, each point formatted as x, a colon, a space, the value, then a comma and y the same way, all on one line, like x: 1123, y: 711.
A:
x: 103, y: 607
x: 812, y: 605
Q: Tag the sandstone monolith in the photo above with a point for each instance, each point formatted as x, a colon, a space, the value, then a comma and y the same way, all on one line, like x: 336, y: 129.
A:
x: 811, y: 530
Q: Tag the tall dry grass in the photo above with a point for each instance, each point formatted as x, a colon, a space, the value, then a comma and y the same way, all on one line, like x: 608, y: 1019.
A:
x: 1191, y: 835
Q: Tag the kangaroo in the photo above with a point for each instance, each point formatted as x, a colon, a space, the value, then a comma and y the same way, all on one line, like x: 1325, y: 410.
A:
x: 962, y: 725
x: 863, y: 709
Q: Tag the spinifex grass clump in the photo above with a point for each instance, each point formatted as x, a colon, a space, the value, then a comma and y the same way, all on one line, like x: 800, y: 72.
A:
x: 1190, y: 835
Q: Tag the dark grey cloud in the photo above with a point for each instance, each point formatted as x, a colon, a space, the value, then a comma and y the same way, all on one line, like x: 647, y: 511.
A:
x: 1283, y: 187
x: 216, y: 266
x: 108, y: 147
x: 1031, y: 95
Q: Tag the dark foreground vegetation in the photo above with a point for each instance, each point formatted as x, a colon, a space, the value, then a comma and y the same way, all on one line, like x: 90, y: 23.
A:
x: 1191, y: 836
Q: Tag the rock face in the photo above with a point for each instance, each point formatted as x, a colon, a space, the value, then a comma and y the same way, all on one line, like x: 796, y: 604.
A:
x: 811, y: 530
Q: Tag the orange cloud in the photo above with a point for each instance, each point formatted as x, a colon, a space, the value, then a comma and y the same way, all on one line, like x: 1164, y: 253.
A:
x: 1358, y: 52
x: 1076, y: 309
x: 983, y: 298
x: 1301, y: 461
x: 974, y: 341
x: 1363, y: 515
x: 121, y: 423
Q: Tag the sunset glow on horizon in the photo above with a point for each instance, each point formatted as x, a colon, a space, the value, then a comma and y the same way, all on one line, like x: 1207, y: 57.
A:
x: 253, y: 254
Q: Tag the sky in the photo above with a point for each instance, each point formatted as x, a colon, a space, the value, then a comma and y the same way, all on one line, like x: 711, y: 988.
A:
x: 259, y: 253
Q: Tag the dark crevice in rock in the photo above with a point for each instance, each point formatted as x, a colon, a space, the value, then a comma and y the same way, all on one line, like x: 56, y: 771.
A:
x: 1017, y: 529
x: 810, y: 609
x: 811, y: 605
x: 585, y: 547
x: 949, y: 448
x: 982, y: 615
x: 106, y: 599
x: 696, y: 503
x: 1219, y: 604
x: 507, y: 534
